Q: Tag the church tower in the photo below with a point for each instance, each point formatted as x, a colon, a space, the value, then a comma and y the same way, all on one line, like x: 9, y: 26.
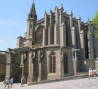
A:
x: 31, y: 23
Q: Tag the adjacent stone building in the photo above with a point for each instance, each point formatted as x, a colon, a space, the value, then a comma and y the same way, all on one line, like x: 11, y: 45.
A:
x: 55, y: 46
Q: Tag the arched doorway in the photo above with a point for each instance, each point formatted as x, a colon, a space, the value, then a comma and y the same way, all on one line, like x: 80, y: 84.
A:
x: 65, y: 64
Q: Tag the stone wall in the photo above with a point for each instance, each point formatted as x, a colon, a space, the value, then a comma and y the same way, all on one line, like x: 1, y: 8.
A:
x: 2, y: 66
x: 84, y: 65
x: 71, y: 62
x: 16, y: 69
x: 96, y: 65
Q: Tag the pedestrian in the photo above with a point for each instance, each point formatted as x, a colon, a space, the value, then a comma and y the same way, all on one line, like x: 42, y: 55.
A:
x: 22, y: 81
x: 11, y: 81
x: 94, y: 73
x: 7, y: 83
x: 90, y: 73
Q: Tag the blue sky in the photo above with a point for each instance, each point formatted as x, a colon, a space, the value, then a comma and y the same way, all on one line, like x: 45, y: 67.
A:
x: 14, y: 14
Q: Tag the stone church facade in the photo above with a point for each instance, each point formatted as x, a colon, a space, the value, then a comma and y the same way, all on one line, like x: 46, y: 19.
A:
x: 56, y: 46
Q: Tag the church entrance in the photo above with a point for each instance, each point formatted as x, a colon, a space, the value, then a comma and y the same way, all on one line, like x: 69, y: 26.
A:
x: 65, y: 64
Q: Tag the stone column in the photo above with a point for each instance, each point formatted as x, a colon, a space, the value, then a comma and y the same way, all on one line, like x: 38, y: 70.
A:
x: 39, y: 73
x: 61, y: 20
x: 49, y: 35
x: 82, y: 44
x: 51, y: 29
x: 45, y: 32
x: 63, y: 35
x: 44, y: 36
x: 74, y: 63
x: 39, y: 64
x: 96, y: 65
x: 8, y: 65
x: 56, y: 27
x: 73, y: 35
x: 90, y: 40
x: 56, y: 34
x: 22, y: 64
x: 62, y: 64
x: 30, y: 70
x: 62, y: 28
x: 62, y: 68
x: 79, y: 23
x: 75, y: 67
x: 71, y: 21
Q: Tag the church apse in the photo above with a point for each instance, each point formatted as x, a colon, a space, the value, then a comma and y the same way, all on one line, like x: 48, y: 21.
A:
x: 49, y: 45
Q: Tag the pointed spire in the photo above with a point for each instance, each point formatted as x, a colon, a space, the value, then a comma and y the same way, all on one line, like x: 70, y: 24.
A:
x: 61, y: 5
x: 45, y: 13
x: 88, y: 19
x: 32, y: 13
x: 51, y: 11
x: 79, y: 18
x: 71, y: 13
x: 33, y: 8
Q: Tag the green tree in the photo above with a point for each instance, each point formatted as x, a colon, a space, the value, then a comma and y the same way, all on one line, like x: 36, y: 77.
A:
x: 95, y: 20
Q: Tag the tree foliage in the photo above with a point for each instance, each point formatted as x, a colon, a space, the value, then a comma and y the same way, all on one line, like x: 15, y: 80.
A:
x: 95, y: 20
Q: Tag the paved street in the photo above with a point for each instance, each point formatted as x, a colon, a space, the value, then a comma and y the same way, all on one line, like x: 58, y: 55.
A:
x: 69, y: 84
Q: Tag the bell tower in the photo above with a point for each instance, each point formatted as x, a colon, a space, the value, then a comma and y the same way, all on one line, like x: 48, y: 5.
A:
x: 31, y: 23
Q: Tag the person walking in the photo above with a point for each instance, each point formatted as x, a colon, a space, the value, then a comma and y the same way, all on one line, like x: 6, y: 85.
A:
x: 7, y: 83
x: 11, y: 81
x: 90, y: 73
x: 94, y: 73
x: 22, y: 81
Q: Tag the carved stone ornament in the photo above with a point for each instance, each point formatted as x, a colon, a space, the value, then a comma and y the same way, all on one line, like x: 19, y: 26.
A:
x: 33, y: 56
x: 41, y: 53
x: 24, y: 57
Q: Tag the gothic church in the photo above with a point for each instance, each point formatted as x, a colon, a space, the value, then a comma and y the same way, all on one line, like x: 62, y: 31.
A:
x: 58, y: 45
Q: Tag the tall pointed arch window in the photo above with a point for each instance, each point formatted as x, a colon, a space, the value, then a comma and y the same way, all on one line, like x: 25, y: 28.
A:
x: 52, y: 64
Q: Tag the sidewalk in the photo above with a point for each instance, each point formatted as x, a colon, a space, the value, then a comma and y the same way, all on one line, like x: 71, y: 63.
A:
x: 15, y: 85
x: 69, y: 84
x: 1, y: 82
